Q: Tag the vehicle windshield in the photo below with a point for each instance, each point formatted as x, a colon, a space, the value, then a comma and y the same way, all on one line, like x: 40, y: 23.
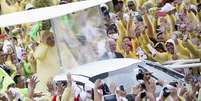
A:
x: 127, y: 75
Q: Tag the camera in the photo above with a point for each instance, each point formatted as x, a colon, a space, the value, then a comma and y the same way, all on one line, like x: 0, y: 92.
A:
x: 174, y: 84
x: 140, y: 75
x: 121, y: 87
x: 143, y: 94
x: 166, y: 92
x: 110, y: 98
x: 104, y: 88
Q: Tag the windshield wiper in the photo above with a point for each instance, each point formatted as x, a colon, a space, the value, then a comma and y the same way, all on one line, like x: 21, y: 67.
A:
x: 170, y: 72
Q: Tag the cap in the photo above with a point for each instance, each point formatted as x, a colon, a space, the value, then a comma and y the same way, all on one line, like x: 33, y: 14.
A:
x: 167, y: 7
x: 104, y: 5
x: 29, y: 6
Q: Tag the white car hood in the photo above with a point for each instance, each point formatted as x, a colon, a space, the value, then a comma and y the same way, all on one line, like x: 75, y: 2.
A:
x: 99, y: 67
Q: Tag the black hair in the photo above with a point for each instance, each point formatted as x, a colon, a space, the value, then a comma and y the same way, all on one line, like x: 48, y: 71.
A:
x: 199, y: 7
x: 127, y: 37
x: 14, y: 38
x: 7, y: 30
x: 194, y: 11
x: 114, y: 2
x: 111, y: 27
x: 139, y: 18
x: 15, y: 79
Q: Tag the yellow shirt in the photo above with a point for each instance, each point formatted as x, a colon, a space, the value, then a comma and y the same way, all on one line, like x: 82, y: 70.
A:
x: 12, y: 8
x: 182, y: 50
x: 131, y: 55
x: 5, y: 8
x: 162, y: 57
x: 192, y: 17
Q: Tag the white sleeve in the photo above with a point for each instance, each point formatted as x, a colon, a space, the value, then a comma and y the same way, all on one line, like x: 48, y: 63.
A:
x: 151, y: 49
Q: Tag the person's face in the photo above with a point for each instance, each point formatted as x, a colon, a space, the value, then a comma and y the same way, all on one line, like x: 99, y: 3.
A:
x: 14, y: 58
x: 160, y: 37
x: 131, y: 5
x: 147, y: 76
x: 121, y: 4
x: 113, y: 34
x: 21, y: 82
x: 163, y: 20
x: 127, y: 41
x: 118, y: 7
x: 24, y: 55
x: 3, y: 57
x: 127, y: 48
x: 182, y: 27
x: 18, y: 1
x: 51, y: 41
x: 170, y: 48
x: 112, y: 46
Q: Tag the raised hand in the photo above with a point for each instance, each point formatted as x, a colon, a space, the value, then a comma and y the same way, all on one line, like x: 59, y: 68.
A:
x: 143, y: 11
x: 50, y: 86
x: 69, y: 79
x: 150, y: 86
x: 32, y: 85
x: 136, y: 89
x: 60, y: 89
x: 112, y: 87
x: 10, y: 95
x: 33, y: 81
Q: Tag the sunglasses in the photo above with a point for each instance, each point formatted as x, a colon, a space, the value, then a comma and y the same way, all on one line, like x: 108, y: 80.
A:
x: 147, y: 73
x: 130, y: 4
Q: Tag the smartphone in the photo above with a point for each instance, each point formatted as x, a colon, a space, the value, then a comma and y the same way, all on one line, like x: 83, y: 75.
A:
x: 143, y: 94
x: 121, y: 87
x: 110, y: 98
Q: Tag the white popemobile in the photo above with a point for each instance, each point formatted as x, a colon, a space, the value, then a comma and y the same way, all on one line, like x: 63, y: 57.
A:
x: 121, y: 71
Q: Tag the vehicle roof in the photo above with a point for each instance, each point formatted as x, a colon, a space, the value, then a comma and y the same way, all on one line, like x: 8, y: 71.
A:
x: 99, y: 67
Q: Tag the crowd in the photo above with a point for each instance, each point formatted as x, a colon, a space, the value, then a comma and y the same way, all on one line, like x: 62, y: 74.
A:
x: 155, y: 30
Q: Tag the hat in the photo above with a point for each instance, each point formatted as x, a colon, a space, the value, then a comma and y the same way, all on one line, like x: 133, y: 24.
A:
x: 167, y: 7
x: 104, y: 5
x: 29, y: 6
x: 171, y: 41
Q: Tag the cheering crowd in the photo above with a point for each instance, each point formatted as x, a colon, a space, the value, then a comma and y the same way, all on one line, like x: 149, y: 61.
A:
x: 155, y: 30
